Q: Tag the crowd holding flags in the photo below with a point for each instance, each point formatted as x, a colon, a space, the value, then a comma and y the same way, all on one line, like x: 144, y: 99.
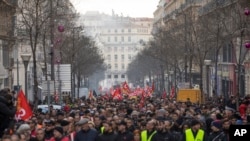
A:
x: 123, y: 90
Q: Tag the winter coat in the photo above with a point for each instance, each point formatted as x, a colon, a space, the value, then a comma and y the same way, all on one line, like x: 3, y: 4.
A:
x: 89, y: 135
x: 126, y: 136
x: 217, y: 136
x: 107, y: 137
x: 163, y: 136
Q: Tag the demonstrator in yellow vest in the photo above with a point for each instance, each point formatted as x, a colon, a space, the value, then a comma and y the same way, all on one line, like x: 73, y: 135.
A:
x: 149, y: 133
x: 195, y: 133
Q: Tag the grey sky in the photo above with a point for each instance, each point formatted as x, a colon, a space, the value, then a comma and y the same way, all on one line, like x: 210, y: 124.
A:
x: 132, y: 8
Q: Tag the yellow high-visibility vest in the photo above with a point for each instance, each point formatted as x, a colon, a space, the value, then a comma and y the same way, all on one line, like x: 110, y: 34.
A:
x: 102, y: 129
x: 190, y: 136
x: 144, y: 136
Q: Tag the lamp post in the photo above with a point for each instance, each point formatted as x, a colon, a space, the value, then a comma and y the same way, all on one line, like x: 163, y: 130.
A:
x: 207, y: 64
x: 26, y: 59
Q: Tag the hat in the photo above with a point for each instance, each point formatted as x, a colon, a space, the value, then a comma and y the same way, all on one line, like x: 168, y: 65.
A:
x: 230, y: 109
x: 64, y: 123
x: 194, y: 122
x: 60, y: 114
x: 59, y: 129
x: 122, y: 123
x: 162, y: 111
x: 81, y: 113
x: 49, y: 122
x: 216, y: 124
x: 135, y: 113
x: 149, y: 112
x: 82, y: 121
x: 23, y: 127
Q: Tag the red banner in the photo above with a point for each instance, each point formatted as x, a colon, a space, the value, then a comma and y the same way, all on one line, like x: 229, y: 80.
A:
x: 24, y: 111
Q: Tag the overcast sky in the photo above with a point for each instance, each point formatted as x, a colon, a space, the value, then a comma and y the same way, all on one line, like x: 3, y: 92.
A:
x: 132, y: 8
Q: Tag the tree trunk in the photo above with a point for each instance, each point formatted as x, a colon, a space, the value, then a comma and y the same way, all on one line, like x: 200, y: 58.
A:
x: 190, y: 71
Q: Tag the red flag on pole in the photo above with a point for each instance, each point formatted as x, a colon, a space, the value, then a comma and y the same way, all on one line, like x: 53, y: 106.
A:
x: 172, y: 92
x: 117, y: 94
x: 142, y: 101
x: 125, y: 88
x: 153, y: 86
x: 24, y: 111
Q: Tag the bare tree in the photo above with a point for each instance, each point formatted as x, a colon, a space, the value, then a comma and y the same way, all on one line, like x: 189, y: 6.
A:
x: 35, y: 19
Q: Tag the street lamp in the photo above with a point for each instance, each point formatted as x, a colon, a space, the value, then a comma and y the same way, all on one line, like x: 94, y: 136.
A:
x: 26, y: 59
x: 207, y: 63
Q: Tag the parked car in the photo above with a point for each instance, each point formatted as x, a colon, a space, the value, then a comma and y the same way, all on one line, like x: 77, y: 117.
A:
x: 46, y: 107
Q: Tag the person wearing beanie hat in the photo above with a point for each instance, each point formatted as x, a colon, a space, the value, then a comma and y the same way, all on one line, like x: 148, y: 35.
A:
x: 217, y: 133
x: 58, y: 134
x: 195, y: 132
x: 65, y: 125
x: 58, y: 129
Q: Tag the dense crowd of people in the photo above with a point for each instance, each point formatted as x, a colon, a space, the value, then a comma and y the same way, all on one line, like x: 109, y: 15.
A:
x: 124, y: 120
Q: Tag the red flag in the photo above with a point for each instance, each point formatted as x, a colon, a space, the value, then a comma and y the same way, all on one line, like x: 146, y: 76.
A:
x: 24, y: 111
x: 117, y: 94
x: 141, y: 104
x: 153, y: 86
x: 164, y: 95
x: 125, y: 88
x: 172, y: 92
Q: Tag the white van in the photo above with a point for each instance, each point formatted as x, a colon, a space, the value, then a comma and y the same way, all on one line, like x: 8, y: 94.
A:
x: 45, y: 107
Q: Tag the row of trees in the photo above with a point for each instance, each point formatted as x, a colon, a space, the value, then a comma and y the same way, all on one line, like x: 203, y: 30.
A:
x: 40, y: 20
x: 192, y: 34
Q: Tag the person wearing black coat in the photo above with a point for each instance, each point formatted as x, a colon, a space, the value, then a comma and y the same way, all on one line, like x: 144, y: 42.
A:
x: 163, y: 134
x: 86, y: 133
x: 123, y: 133
x: 108, y: 134
x: 7, y: 110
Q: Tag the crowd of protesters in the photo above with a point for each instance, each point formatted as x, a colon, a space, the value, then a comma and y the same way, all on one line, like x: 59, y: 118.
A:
x: 125, y: 120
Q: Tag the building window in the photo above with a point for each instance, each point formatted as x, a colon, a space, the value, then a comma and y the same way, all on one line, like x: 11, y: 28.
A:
x: 116, y: 76
x: 116, y: 66
x: 109, y: 66
x: 122, y: 30
x: 109, y: 49
x: 116, y: 56
x: 115, y: 39
x: 122, y: 76
x: 109, y: 76
x: 123, y: 66
x: 129, y: 39
x: 122, y: 57
x: 129, y: 57
x: 115, y: 49
x: 108, y: 30
x: 109, y: 57
x: 129, y: 30
x: 108, y: 39
x: 115, y: 30
x: 122, y: 39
